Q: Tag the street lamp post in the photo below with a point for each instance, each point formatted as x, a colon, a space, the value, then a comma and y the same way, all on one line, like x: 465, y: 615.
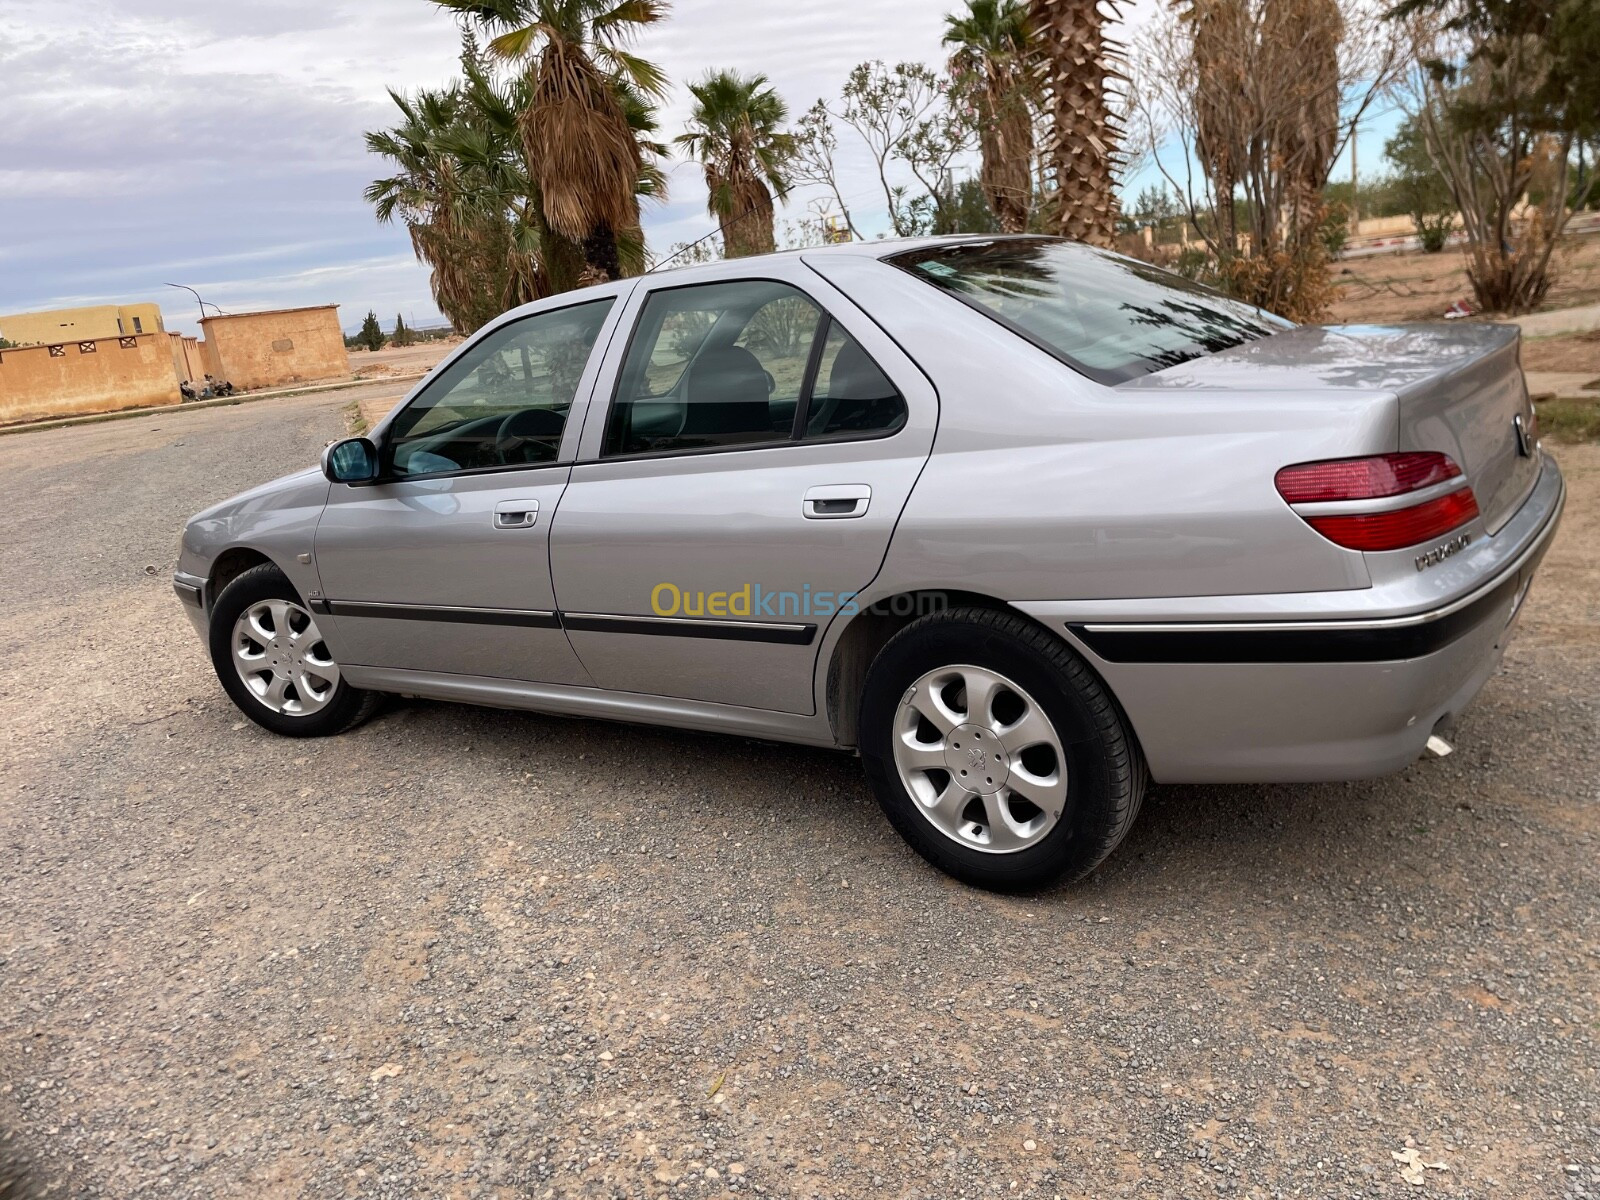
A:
x: 198, y: 299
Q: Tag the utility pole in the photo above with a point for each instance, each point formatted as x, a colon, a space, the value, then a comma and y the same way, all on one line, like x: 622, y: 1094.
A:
x: 1355, y: 197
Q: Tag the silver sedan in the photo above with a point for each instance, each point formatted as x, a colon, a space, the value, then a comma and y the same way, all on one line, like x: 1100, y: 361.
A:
x: 1023, y: 523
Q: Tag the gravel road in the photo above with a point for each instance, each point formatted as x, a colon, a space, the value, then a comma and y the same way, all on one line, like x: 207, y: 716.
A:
x: 469, y: 953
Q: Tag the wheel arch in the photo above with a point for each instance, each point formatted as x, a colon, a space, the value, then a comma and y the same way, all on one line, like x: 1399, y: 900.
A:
x: 870, y: 630
x: 228, y: 566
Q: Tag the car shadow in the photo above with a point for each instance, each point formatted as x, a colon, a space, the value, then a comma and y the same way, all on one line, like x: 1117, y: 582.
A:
x: 1182, y: 835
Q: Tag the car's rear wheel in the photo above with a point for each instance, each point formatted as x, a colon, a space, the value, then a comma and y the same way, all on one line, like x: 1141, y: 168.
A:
x: 995, y: 751
x: 271, y: 659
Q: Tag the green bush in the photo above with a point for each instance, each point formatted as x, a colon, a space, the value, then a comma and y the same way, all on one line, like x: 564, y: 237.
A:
x: 1193, y: 262
x: 1335, y: 228
x: 1433, y: 229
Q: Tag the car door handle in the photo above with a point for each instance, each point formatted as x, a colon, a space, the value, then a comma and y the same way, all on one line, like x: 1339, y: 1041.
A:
x: 835, y: 501
x: 516, y: 514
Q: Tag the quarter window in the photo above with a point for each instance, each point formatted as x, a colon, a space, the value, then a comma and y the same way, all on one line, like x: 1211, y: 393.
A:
x: 503, y: 403
x: 852, y: 396
x: 743, y: 364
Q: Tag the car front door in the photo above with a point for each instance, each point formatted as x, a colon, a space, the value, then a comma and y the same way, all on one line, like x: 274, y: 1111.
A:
x: 760, y: 439
x: 443, y: 564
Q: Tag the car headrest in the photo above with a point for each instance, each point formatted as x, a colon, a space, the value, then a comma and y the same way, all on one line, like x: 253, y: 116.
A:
x: 727, y: 393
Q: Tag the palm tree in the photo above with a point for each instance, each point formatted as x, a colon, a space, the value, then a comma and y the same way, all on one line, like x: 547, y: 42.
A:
x: 1077, y: 59
x: 426, y: 193
x: 734, y: 133
x: 1219, y: 28
x: 989, y: 45
x: 460, y: 191
x: 581, y: 152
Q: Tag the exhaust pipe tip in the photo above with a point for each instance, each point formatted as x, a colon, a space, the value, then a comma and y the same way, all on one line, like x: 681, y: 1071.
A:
x: 1438, y: 747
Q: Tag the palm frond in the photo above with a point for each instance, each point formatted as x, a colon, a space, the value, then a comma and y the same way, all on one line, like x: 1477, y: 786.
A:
x: 519, y: 43
x: 640, y: 73
x: 625, y: 19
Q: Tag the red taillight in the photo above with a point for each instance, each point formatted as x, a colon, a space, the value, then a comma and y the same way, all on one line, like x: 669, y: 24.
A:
x: 1364, y: 478
x: 1402, y: 527
x: 1382, y: 476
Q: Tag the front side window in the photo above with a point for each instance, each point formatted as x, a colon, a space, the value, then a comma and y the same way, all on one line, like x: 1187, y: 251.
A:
x: 1112, y: 318
x: 751, y: 363
x: 504, y: 403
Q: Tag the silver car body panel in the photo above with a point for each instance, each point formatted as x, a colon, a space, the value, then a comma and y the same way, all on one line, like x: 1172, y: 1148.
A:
x: 596, y: 704
x: 1042, y: 479
x: 276, y: 520
x: 422, y: 574
x: 1298, y: 721
x: 731, y: 522
x: 1133, y: 520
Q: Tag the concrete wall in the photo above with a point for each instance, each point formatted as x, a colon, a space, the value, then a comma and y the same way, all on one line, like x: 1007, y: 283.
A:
x: 209, y: 364
x: 270, y: 349
x: 81, y: 324
x: 186, y: 357
x: 92, y: 376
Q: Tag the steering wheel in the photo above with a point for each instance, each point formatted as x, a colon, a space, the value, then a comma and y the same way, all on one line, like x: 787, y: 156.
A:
x: 539, y: 427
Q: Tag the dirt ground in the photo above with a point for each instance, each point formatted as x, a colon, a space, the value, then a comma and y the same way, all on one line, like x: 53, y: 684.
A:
x: 1414, y: 286
x: 400, y: 360
x: 1576, y: 352
x: 470, y: 953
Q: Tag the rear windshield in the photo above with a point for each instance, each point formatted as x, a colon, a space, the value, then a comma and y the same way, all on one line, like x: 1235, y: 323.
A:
x: 1110, y: 317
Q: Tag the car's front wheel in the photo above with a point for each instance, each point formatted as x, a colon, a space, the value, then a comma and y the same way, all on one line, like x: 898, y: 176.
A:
x: 995, y: 751
x: 271, y: 659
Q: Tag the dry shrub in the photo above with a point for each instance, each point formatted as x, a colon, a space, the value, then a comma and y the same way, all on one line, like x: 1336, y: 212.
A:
x: 1295, y: 283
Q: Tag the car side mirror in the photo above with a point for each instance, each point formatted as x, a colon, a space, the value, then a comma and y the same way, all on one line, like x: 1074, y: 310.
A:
x: 354, y: 460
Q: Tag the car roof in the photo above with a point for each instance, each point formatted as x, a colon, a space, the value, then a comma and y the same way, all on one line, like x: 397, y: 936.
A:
x: 724, y: 267
x: 879, y: 248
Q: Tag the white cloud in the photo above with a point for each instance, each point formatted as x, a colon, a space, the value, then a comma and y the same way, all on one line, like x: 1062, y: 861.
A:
x: 220, y: 145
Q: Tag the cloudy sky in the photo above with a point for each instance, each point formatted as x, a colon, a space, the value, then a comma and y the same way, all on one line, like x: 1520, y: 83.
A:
x: 219, y: 145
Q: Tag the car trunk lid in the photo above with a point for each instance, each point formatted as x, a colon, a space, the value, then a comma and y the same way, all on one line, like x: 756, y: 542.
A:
x: 1459, y: 388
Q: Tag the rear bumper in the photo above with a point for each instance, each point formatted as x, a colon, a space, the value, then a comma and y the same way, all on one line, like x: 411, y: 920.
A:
x: 1308, y: 697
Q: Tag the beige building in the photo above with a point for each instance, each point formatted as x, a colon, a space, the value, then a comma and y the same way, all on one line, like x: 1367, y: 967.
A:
x: 270, y: 349
x: 76, y: 362
x: 81, y: 324
x: 91, y: 375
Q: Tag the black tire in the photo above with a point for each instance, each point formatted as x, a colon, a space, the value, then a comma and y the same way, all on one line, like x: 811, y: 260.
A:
x: 348, y: 707
x: 1105, y: 771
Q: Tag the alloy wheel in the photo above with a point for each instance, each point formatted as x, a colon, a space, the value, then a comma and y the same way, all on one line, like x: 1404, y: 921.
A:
x: 980, y: 758
x: 281, y: 658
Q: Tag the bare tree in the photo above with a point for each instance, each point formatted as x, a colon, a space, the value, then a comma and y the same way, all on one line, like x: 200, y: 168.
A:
x: 888, y: 106
x: 904, y: 114
x: 1263, y: 95
x: 816, y: 143
x: 1498, y: 119
x: 928, y: 150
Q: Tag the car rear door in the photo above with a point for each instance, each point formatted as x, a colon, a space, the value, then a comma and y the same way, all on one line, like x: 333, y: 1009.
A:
x: 753, y: 440
x: 443, y: 564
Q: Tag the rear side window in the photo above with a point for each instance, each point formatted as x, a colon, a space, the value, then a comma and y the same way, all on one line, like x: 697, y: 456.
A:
x: 745, y: 364
x: 1110, y: 317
